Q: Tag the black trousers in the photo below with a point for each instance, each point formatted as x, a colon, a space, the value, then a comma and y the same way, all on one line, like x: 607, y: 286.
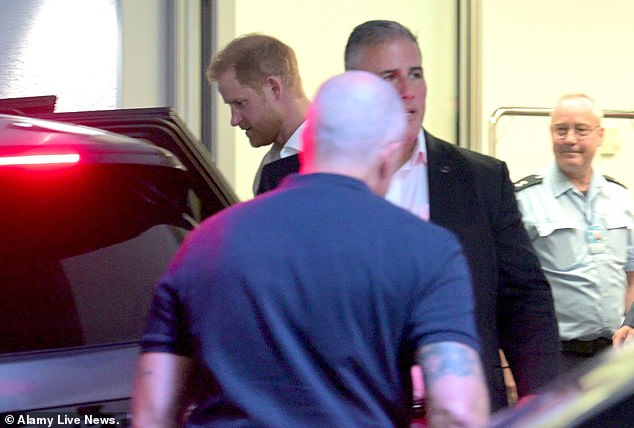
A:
x: 575, y: 352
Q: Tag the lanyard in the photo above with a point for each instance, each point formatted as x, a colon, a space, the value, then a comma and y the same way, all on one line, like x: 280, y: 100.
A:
x: 583, y: 203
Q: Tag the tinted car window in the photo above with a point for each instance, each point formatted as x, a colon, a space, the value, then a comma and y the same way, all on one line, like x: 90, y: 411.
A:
x: 83, y: 245
x: 84, y: 248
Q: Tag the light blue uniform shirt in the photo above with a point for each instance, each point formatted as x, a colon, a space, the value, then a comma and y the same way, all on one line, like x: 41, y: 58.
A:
x: 585, y: 244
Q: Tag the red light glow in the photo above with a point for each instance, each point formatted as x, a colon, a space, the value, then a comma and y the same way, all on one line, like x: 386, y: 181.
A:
x: 66, y: 158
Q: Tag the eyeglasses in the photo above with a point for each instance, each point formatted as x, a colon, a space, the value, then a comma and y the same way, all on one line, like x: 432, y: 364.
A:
x: 580, y: 130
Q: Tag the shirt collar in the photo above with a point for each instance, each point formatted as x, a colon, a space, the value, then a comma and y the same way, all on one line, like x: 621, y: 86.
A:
x: 561, y: 184
x: 294, y: 144
x: 419, y: 155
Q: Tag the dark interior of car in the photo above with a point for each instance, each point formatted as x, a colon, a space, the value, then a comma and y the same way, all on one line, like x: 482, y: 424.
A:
x: 53, y: 214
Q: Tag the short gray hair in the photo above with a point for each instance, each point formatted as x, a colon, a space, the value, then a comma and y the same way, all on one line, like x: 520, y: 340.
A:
x: 373, y: 33
x: 596, y: 109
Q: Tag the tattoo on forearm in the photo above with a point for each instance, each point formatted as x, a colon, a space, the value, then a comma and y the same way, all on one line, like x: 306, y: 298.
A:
x: 443, y: 359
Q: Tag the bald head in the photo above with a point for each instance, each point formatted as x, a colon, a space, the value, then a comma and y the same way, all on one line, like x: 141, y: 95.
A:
x: 355, y: 127
x: 353, y: 116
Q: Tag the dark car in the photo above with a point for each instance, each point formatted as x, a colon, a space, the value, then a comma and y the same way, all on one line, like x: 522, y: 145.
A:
x: 89, y: 218
x: 597, y: 394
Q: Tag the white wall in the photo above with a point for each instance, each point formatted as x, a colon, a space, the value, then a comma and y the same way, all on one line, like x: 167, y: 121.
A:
x: 534, y: 51
x: 528, y: 53
x: 145, y: 78
x: 317, y: 31
x: 160, y: 57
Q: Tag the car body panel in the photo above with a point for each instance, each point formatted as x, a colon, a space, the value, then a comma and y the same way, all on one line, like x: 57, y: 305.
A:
x: 77, y: 377
x: 598, y: 393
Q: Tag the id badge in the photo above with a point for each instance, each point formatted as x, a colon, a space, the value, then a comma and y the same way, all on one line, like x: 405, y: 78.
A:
x: 596, y: 240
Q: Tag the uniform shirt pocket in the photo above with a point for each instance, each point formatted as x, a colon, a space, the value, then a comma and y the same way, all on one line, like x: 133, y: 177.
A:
x: 558, y: 244
x: 618, y: 226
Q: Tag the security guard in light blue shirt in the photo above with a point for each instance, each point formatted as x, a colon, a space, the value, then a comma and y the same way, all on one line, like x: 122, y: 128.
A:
x: 580, y: 224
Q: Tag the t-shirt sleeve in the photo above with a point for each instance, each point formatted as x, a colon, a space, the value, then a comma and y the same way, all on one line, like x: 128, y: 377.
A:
x: 443, y: 307
x: 167, y: 326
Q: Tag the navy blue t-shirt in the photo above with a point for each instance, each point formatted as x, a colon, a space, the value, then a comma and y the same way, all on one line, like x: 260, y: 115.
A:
x: 304, y: 307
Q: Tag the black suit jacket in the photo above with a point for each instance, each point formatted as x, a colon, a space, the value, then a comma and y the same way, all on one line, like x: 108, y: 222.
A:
x: 472, y: 195
x: 273, y: 173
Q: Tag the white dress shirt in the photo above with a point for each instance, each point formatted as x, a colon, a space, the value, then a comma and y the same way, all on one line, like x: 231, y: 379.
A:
x: 409, y: 185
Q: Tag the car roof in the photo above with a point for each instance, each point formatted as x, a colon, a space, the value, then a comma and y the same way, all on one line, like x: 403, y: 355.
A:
x: 28, y: 141
x: 164, y: 128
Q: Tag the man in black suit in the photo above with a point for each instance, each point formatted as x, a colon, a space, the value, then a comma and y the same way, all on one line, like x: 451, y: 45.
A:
x: 471, y: 195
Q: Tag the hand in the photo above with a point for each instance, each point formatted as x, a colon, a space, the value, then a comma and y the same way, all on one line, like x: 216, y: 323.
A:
x: 525, y: 399
x: 622, y: 335
x: 418, y: 386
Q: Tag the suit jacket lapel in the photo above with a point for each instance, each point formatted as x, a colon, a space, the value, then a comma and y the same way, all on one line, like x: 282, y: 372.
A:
x: 452, y: 196
x: 273, y: 173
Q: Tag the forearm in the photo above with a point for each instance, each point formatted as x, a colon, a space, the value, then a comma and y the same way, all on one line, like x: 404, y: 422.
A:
x: 456, y: 394
x: 159, y: 397
x: 626, y: 332
x: 629, y: 293
x: 629, y: 316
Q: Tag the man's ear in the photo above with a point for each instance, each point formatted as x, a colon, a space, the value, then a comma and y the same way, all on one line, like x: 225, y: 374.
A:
x: 390, y: 155
x: 388, y: 164
x: 601, y: 132
x: 275, y: 84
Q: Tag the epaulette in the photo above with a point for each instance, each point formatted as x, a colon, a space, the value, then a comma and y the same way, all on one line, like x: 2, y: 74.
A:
x: 529, y: 181
x: 614, y: 180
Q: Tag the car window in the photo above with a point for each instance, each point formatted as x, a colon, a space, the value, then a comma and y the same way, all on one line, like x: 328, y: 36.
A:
x: 83, y: 250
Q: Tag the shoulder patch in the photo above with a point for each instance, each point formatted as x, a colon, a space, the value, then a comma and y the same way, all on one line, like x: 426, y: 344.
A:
x: 615, y: 181
x: 529, y: 181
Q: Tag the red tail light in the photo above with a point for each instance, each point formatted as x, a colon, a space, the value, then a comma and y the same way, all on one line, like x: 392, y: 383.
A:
x: 48, y: 159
